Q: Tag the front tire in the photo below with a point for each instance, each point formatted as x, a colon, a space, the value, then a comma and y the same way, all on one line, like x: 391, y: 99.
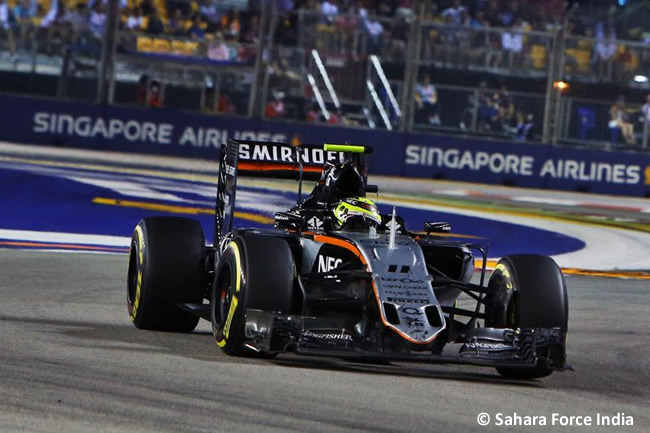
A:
x: 256, y: 272
x: 166, y: 267
x: 527, y: 291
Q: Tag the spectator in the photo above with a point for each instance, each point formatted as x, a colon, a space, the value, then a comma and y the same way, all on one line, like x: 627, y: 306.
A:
x: 208, y: 10
x: 454, y: 12
x: 77, y: 20
x: 329, y: 8
x: 154, y: 99
x: 275, y: 107
x: 134, y: 20
x: 218, y: 50
x: 620, y: 119
x: 6, y: 25
x: 98, y: 19
x: 196, y: 28
x: 426, y: 101
x: 231, y: 24
x: 374, y: 28
x: 24, y: 12
x: 177, y: 23
x: 605, y: 47
x: 155, y: 25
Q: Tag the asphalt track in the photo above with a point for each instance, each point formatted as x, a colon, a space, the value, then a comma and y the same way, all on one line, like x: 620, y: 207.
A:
x: 71, y: 361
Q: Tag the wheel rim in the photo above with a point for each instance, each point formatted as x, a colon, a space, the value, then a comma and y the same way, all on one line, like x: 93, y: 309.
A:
x: 224, y: 298
x: 133, y: 273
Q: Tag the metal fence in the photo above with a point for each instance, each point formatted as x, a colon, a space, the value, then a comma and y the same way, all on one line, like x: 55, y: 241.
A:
x: 352, y: 69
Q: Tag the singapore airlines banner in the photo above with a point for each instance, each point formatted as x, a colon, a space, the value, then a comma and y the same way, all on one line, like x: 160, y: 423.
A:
x: 68, y: 124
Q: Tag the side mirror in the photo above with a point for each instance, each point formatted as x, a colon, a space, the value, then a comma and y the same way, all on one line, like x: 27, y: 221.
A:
x: 373, y: 189
x: 437, y: 227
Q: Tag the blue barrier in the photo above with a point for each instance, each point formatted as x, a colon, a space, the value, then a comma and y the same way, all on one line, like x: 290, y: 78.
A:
x: 161, y: 131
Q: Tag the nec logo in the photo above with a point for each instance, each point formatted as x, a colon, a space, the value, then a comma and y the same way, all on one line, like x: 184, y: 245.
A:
x: 326, y: 264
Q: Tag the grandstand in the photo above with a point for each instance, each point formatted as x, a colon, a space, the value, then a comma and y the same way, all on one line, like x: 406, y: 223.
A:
x: 358, y: 63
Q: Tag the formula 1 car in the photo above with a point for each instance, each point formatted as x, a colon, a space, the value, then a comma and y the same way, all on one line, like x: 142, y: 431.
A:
x: 335, y: 277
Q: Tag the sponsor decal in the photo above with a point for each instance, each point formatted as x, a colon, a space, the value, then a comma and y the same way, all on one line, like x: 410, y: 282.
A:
x: 480, y: 345
x: 285, y: 153
x: 131, y: 130
x: 326, y: 264
x: 414, y: 322
x: 407, y: 301
x: 315, y: 223
x: 332, y: 335
x: 402, y: 280
x: 522, y: 165
x: 411, y: 311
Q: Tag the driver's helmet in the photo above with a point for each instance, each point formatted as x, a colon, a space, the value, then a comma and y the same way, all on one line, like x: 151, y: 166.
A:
x: 356, y: 211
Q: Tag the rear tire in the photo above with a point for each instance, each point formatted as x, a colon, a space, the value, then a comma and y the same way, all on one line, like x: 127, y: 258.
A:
x: 256, y: 272
x: 527, y: 291
x: 166, y: 267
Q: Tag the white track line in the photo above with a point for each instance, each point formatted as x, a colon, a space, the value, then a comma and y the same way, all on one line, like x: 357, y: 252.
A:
x: 64, y: 238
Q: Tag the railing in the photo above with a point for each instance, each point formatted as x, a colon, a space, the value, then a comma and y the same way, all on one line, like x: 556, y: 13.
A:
x: 499, y: 50
x: 605, y: 60
x: 330, y: 70
x: 493, y: 112
x: 590, y: 122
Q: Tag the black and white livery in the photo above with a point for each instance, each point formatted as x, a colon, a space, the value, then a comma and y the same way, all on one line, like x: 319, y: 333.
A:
x: 336, y: 278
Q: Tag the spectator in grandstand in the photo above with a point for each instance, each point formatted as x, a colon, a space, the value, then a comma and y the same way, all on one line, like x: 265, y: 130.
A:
x: 134, y: 20
x: 217, y: 49
x: 77, y: 20
x: 512, y: 42
x: 231, y: 24
x: 155, y: 26
x: 208, y: 10
x: 488, y: 109
x: 329, y: 8
x: 426, y: 102
x: 374, y: 29
x: 177, y: 23
x: 605, y: 48
x: 196, y: 28
x: 454, y: 12
x: 97, y: 19
x: 510, y: 16
x: 275, y: 107
x: 154, y: 97
x: 524, y: 128
x: 6, y: 24
x: 620, y: 120
x: 24, y: 12
x: 313, y: 113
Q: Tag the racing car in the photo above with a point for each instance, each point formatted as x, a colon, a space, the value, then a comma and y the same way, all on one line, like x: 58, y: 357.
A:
x: 335, y: 277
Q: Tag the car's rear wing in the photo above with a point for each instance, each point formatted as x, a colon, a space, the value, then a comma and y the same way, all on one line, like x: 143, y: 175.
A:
x: 275, y: 160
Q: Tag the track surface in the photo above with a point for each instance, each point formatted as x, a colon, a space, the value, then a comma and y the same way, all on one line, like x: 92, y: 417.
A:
x: 72, y: 361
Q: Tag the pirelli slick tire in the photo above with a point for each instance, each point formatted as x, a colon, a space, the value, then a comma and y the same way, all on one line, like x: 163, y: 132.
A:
x: 166, y: 267
x: 255, y: 272
x: 527, y: 291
